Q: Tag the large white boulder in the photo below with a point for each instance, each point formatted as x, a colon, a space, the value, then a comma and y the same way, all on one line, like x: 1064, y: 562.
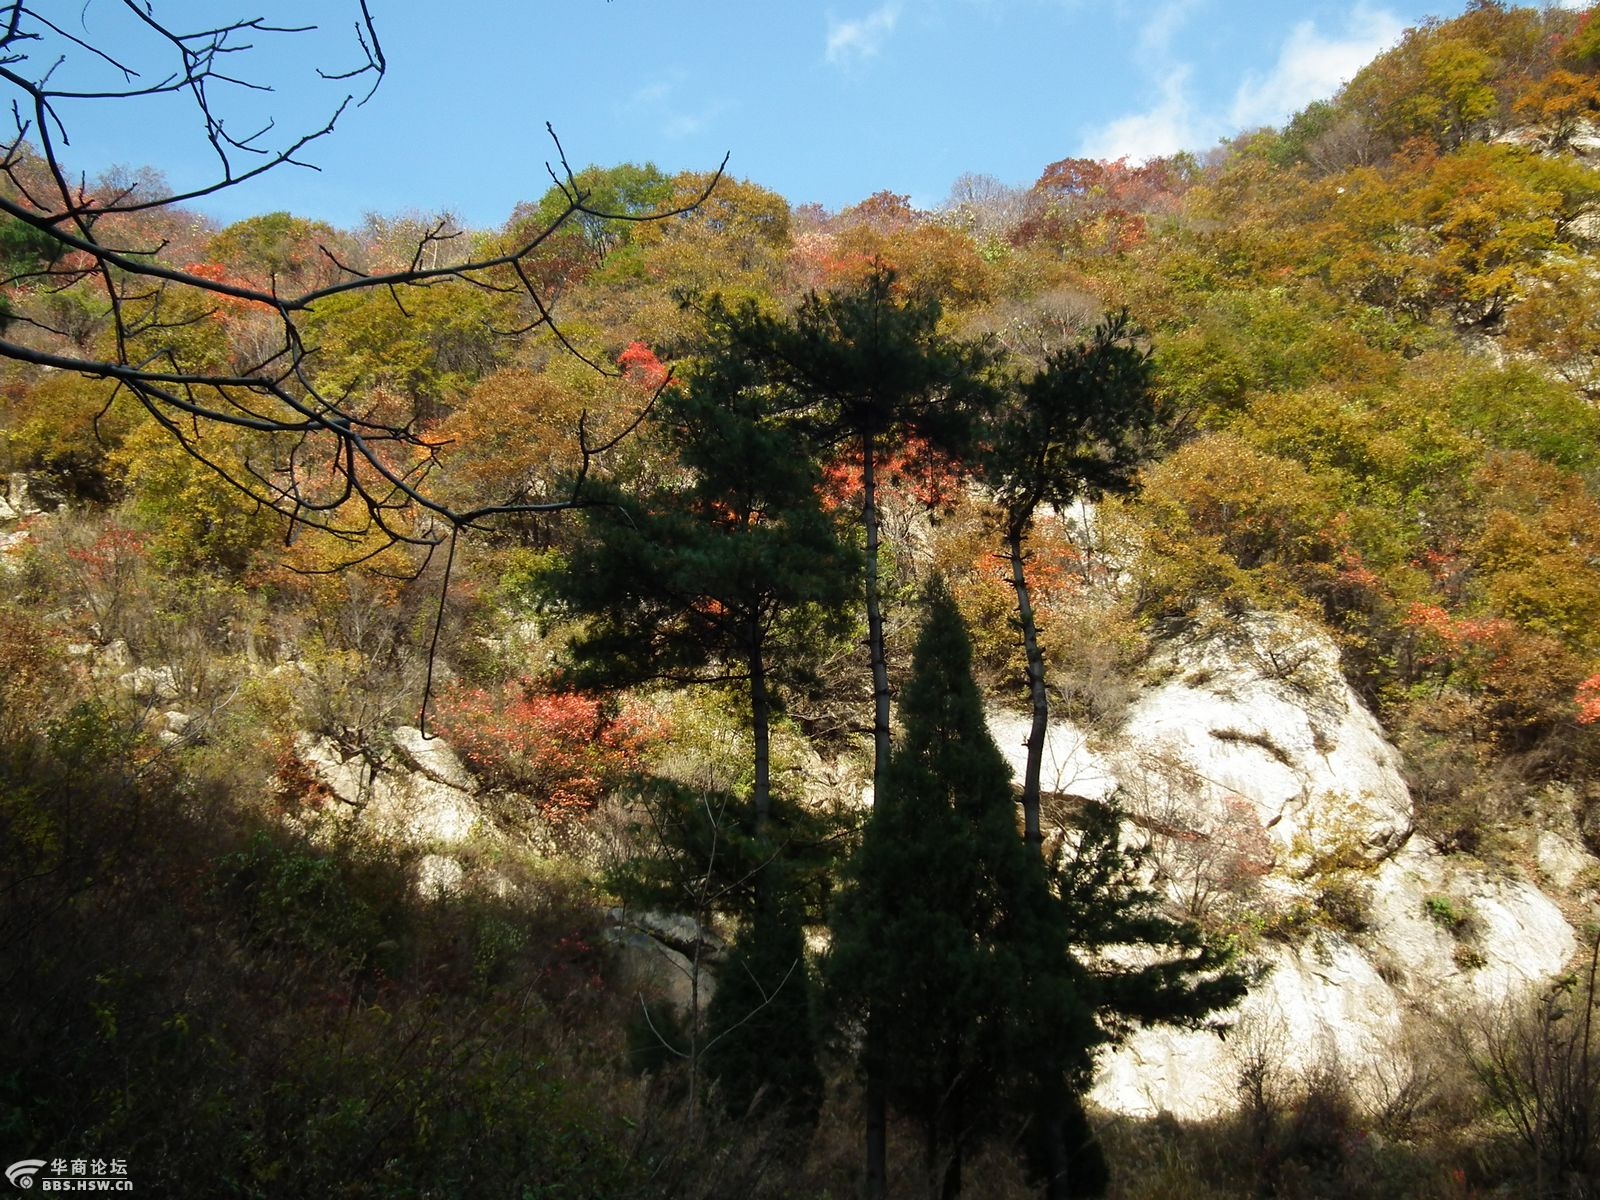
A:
x: 1255, y: 720
x: 1251, y: 759
x: 1258, y: 713
x: 401, y: 802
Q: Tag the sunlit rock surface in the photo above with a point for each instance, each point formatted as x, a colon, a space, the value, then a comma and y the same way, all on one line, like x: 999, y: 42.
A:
x: 1250, y: 754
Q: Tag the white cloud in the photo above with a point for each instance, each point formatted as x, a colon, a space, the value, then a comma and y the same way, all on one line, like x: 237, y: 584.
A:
x: 1171, y: 125
x: 652, y: 95
x: 1161, y: 26
x: 1310, y: 65
x: 860, y: 39
x: 686, y: 124
x: 1313, y: 66
x: 661, y: 103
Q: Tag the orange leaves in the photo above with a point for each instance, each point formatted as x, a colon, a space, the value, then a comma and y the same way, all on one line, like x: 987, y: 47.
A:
x: 1092, y: 207
x: 1560, y: 103
x: 642, y: 368
x: 1588, y: 700
x: 916, y: 470
x: 1460, y: 635
x: 564, y: 750
x: 226, y: 307
x: 1452, y: 232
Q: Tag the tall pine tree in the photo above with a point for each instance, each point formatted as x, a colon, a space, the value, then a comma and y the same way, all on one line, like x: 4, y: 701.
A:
x: 727, y: 570
x: 976, y: 974
x: 1080, y: 426
x: 949, y: 950
x: 869, y: 368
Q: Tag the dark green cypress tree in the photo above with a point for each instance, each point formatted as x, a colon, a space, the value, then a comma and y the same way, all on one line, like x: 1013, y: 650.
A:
x: 949, y: 951
x: 970, y: 969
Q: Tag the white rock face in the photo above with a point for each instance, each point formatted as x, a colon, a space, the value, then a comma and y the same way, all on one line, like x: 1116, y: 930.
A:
x: 151, y: 684
x: 434, y: 757
x: 1561, y: 859
x: 1261, y: 715
x: 1254, y: 745
x: 1070, y: 766
x: 1320, y: 1003
x: 17, y: 502
x: 1334, y: 1000
x: 1255, y: 720
x: 404, y: 803
x: 425, y: 811
x: 654, y: 969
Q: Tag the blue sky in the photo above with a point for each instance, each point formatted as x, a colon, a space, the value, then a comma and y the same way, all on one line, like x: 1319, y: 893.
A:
x: 825, y: 102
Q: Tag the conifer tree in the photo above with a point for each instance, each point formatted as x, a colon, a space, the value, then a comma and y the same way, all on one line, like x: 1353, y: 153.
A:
x: 972, y: 970
x: 948, y: 947
x: 727, y: 570
x: 1079, y: 427
x: 869, y: 367
x: 723, y: 572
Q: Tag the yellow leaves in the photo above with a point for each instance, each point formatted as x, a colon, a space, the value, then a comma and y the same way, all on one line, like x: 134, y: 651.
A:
x: 1559, y: 104
x: 198, y: 520
x: 64, y: 425
x: 930, y: 260
x: 1458, y: 232
x: 1559, y: 320
x: 426, y: 344
x: 512, y: 437
x: 1539, y: 550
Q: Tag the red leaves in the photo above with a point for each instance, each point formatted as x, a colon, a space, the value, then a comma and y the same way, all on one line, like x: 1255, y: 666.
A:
x: 110, y: 553
x: 1464, y: 635
x: 1588, y: 700
x: 563, y: 749
x: 227, y: 307
x: 642, y: 368
x: 916, y: 470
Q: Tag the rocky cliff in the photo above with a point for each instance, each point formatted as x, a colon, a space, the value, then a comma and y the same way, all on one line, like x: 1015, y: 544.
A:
x: 1270, y: 802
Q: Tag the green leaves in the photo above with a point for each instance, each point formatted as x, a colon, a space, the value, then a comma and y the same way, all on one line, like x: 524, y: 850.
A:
x: 1079, y: 427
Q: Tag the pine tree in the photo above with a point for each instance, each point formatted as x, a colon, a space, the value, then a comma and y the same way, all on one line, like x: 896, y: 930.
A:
x: 729, y: 569
x: 1079, y: 427
x: 949, y: 950
x: 974, y: 972
x: 723, y: 572
x: 867, y: 367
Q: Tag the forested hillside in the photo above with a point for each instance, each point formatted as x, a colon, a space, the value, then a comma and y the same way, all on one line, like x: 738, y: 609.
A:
x: 505, y: 712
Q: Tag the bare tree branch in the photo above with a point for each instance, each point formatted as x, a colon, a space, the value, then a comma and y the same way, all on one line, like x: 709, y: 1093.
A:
x: 318, y: 454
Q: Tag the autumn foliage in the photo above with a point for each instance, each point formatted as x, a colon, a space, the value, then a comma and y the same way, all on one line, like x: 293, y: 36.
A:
x: 563, y: 750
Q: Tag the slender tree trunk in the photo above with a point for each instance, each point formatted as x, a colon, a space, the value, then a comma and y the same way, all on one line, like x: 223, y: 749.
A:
x: 1032, y: 828
x: 761, y: 728
x: 880, y: 662
x: 952, y: 1172
x: 877, y: 1093
x: 877, y: 1114
x: 945, y: 1152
